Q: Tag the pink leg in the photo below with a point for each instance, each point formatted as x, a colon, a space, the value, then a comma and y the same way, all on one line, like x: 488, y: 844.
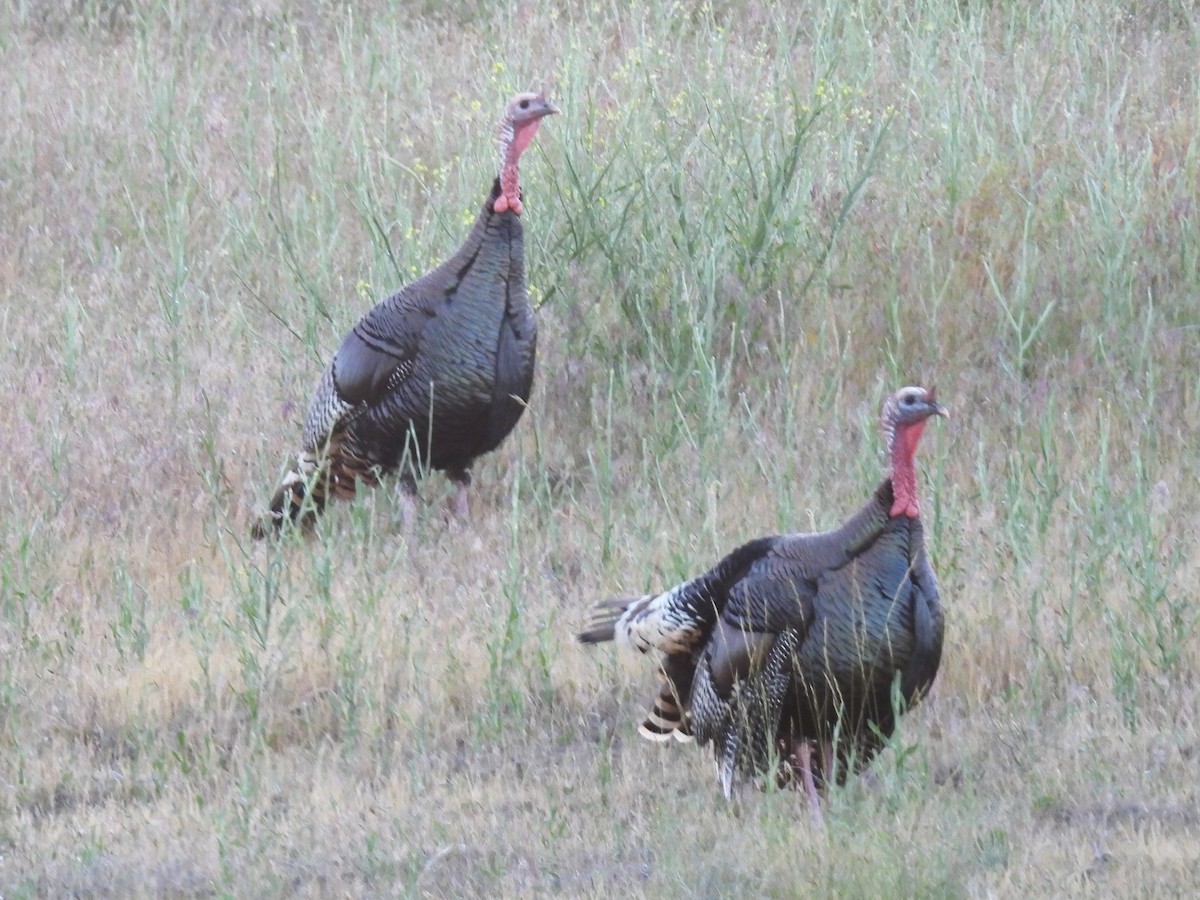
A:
x: 406, y: 499
x: 803, y: 756
x: 460, y: 505
x: 408, y: 512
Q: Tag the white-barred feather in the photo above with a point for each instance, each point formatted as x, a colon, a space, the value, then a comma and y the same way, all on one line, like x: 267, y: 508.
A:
x: 665, y: 622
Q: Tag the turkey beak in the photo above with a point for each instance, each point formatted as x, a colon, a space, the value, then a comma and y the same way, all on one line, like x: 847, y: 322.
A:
x: 939, y: 410
x: 545, y: 109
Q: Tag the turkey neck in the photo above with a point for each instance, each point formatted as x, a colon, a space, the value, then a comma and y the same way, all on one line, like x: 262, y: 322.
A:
x: 494, y: 248
x: 513, y: 142
x: 904, y: 470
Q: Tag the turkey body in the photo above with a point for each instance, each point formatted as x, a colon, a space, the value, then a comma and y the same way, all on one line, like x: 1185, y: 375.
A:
x: 433, y: 377
x: 849, y: 627
x: 800, y: 641
x: 439, y: 373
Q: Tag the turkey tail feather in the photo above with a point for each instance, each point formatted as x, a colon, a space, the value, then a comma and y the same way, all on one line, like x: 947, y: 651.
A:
x: 665, y: 720
x: 306, y: 480
x: 602, y: 625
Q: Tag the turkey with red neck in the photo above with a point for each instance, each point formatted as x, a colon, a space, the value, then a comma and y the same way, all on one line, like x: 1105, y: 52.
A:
x: 437, y: 374
x: 799, y: 647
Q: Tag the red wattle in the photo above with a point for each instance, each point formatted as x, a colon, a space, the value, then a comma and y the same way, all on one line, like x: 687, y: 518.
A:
x: 510, y: 180
x: 904, y: 472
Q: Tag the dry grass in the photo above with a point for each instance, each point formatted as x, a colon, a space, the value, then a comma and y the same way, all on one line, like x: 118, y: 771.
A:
x: 746, y: 228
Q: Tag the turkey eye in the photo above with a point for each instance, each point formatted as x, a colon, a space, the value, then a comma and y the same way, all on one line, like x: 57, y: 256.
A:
x: 524, y: 104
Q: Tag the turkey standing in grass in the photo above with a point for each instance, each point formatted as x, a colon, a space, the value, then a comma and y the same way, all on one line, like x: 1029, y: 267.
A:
x: 437, y: 374
x: 800, y: 643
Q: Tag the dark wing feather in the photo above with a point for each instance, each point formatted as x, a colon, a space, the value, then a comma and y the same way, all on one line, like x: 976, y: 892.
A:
x: 377, y: 354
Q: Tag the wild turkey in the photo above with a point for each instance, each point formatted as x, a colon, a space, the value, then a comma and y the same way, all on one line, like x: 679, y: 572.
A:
x: 799, y: 642
x: 438, y: 373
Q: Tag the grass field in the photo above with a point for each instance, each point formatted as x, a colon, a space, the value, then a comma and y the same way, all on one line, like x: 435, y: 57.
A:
x: 747, y: 227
